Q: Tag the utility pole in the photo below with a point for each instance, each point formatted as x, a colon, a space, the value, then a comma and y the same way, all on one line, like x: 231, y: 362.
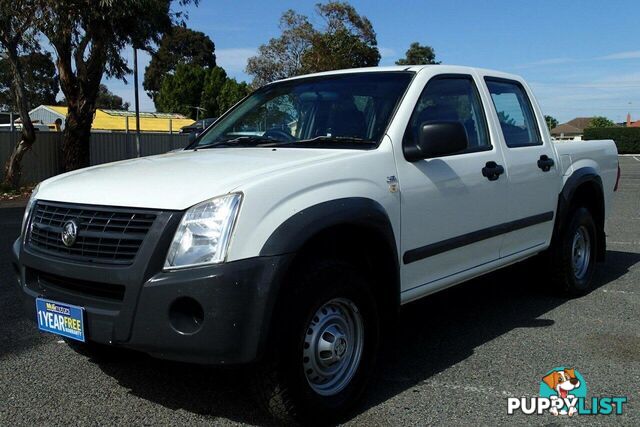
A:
x: 198, y: 110
x: 137, y: 99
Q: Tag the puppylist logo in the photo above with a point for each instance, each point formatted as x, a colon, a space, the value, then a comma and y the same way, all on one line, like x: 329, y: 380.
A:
x: 563, y: 391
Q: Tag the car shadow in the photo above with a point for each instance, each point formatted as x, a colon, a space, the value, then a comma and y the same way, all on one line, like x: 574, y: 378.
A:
x: 432, y: 335
x: 17, y: 333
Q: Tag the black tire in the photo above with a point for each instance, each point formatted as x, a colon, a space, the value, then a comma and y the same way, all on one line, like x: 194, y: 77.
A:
x: 284, y: 388
x: 565, y: 276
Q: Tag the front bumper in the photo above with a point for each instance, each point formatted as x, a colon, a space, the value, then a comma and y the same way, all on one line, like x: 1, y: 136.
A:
x: 216, y: 314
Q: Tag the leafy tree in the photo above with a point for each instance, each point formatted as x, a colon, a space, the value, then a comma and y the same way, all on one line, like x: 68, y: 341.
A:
x: 179, y: 46
x: 346, y: 40
x: 41, y: 80
x: 230, y: 94
x: 282, y: 57
x: 109, y: 100
x: 418, y: 54
x: 552, y: 122
x: 105, y: 99
x: 181, y: 92
x: 193, y: 86
x: 600, y: 122
x: 89, y: 38
x: 18, y: 38
x: 213, y: 83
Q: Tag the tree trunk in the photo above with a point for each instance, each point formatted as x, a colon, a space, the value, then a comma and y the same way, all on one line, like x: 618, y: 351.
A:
x: 12, y: 169
x: 77, y: 133
x: 80, y: 88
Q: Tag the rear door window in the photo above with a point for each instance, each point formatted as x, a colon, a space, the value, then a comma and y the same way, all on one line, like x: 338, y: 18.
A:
x: 515, y: 113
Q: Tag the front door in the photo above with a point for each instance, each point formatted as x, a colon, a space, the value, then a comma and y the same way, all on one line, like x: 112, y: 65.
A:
x: 450, y: 211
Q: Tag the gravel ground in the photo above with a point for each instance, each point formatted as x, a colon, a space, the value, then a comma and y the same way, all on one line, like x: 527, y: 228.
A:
x: 456, y: 357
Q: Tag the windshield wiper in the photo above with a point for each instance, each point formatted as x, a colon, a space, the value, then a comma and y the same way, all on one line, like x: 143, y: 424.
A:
x: 328, y: 138
x: 241, y: 140
x: 323, y: 141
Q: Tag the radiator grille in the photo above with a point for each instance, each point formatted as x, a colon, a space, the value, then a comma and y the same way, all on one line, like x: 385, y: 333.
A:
x: 82, y: 287
x: 104, y: 234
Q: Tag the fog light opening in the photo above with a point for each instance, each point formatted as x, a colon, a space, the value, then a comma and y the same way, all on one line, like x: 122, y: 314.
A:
x: 186, y: 315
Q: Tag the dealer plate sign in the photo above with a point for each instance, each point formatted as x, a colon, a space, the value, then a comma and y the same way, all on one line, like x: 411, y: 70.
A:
x: 61, y: 319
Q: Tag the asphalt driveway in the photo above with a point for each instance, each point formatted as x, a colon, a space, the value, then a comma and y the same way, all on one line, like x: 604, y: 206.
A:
x: 456, y: 358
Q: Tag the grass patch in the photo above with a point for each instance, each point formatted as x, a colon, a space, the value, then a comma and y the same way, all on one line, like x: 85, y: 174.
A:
x: 8, y: 193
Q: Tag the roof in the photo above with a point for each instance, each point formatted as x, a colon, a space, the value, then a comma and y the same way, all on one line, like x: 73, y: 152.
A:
x: 116, y: 120
x: 566, y: 129
x: 415, y: 68
x: 580, y: 122
x: 572, y: 127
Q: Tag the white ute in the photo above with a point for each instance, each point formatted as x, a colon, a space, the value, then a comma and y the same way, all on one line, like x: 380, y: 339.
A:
x: 291, y: 231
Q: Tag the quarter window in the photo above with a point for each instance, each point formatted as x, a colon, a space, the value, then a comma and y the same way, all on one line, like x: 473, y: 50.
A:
x: 515, y: 114
x: 451, y: 98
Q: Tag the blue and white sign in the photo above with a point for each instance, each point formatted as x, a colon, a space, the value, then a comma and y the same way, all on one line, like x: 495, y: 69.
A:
x: 61, y: 319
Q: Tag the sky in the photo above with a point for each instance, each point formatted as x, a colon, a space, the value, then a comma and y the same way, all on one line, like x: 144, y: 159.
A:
x: 581, y: 57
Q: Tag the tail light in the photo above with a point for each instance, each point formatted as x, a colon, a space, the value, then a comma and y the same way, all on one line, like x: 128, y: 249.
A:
x: 615, y: 188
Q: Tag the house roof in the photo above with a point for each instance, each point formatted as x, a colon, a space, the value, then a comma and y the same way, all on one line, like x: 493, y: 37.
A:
x: 580, y: 122
x: 572, y: 127
x: 566, y: 129
x: 116, y: 120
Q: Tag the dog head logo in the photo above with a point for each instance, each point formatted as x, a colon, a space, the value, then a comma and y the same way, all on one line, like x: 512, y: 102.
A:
x: 562, y: 381
x: 565, y: 385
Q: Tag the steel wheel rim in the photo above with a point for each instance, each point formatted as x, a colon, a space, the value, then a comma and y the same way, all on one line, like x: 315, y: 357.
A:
x: 581, y: 252
x: 332, y: 346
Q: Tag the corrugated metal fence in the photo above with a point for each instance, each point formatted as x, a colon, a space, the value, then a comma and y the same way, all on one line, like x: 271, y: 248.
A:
x: 44, y: 160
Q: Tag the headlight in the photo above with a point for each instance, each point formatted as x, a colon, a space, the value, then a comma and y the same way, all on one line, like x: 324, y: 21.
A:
x: 204, y: 233
x: 27, y: 211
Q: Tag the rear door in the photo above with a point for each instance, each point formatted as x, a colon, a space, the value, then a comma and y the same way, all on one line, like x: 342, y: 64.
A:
x: 533, y: 178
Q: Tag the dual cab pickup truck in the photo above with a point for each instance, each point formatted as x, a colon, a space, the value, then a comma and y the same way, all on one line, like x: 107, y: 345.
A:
x: 290, y: 232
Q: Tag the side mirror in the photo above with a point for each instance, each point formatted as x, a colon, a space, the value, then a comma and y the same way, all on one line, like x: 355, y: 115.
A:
x: 436, y: 139
x: 193, y: 136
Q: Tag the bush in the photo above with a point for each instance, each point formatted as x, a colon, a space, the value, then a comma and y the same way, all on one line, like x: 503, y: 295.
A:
x: 627, y: 139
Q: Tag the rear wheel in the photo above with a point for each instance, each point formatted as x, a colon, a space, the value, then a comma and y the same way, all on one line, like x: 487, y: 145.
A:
x: 326, y: 340
x: 574, y: 254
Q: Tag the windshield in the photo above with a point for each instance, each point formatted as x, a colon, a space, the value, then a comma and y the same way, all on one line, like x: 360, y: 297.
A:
x: 341, y: 111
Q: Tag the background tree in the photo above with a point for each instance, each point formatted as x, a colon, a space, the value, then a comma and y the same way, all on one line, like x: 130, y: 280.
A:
x: 418, y: 54
x: 212, y: 86
x: 89, y: 38
x: 194, y: 86
x: 230, y: 94
x: 182, y: 91
x: 179, y: 46
x: 346, y: 40
x: 106, y: 99
x: 18, y: 38
x: 109, y: 100
x: 282, y: 57
x: 40, y: 81
x: 552, y: 122
x: 601, y: 122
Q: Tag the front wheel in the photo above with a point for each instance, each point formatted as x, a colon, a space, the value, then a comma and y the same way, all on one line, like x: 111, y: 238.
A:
x: 574, y: 256
x: 325, y: 346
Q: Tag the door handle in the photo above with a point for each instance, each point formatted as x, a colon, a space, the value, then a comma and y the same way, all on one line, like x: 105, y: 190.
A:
x: 492, y: 171
x: 545, y: 163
